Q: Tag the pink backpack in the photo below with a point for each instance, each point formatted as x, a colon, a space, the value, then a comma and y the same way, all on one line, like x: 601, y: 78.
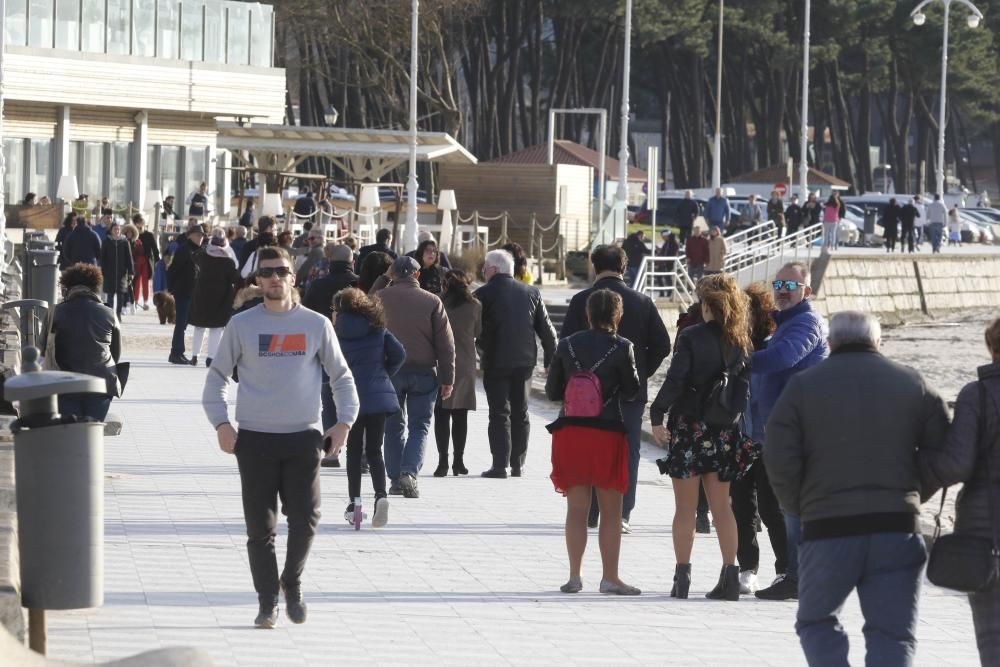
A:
x: 584, y: 395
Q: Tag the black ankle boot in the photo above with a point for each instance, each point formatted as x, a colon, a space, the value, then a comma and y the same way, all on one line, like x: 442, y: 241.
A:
x: 458, y: 466
x: 728, y: 587
x: 442, y: 469
x: 682, y: 581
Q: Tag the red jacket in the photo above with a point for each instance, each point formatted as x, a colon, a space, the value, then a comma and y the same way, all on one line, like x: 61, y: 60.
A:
x: 696, y: 250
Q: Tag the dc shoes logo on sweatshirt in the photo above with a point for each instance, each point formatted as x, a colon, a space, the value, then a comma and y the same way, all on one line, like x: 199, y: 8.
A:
x: 282, y: 345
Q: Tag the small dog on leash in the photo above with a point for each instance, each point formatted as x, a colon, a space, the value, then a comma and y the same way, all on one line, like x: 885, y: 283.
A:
x: 165, y: 307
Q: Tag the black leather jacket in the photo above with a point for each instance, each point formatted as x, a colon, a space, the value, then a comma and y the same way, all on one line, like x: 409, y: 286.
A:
x: 618, y: 375
x: 513, y: 313
x: 87, y: 337
x: 696, y: 365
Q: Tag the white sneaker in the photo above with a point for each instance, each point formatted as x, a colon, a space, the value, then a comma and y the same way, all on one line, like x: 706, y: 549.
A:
x: 626, y: 528
x: 748, y: 582
x: 381, y: 516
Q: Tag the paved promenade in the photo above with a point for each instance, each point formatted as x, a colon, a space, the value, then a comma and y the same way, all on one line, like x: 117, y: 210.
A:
x: 468, y: 573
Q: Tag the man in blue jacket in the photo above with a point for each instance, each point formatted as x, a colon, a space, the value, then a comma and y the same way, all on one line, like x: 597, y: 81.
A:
x: 83, y: 245
x: 717, y: 210
x: 799, y: 342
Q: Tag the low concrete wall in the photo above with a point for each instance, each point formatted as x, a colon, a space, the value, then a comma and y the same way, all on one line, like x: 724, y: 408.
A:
x: 899, y: 288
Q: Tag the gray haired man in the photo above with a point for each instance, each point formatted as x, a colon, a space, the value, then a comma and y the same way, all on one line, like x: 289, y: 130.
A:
x: 513, y: 314
x: 841, y: 454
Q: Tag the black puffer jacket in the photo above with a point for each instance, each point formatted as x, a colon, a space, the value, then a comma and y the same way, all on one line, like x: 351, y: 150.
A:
x: 214, y: 288
x: 182, y: 270
x: 513, y: 313
x: 116, y: 264
x: 618, y: 375
x: 319, y: 295
x: 696, y: 365
x: 963, y: 456
x: 87, y: 337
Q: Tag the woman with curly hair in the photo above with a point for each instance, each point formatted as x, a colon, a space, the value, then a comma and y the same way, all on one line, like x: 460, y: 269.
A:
x: 698, y: 452
x: 85, y: 337
x: 374, y: 356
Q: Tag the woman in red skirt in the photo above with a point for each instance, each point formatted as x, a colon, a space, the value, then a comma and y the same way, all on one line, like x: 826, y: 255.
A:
x: 592, y: 371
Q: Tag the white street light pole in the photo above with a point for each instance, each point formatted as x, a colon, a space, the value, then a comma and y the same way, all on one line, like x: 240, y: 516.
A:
x: 973, y: 22
x: 3, y: 162
x: 623, y: 153
x: 717, y: 150
x: 804, y: 139
x: 410, y: 232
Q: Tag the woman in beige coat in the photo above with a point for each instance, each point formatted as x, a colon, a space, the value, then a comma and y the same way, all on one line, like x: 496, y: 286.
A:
x: 451, y: 417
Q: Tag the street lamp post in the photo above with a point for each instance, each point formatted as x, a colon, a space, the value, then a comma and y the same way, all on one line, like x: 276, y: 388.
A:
x: 804, y: 138
x: 623, y: 152
x: 973, y: 22
x: 410, y: 233
x: 717, y: 149
x: 3, y: 162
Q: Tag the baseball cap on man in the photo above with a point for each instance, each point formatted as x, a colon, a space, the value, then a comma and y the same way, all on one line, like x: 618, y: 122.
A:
x: 404, y: 267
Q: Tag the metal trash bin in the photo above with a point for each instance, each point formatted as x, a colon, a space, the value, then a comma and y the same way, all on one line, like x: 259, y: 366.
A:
x: 44, y: 283
x: 59, y: 471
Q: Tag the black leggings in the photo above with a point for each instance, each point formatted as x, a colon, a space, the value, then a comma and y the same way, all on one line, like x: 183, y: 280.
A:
x: 451, y: 424
x: 366, y: 435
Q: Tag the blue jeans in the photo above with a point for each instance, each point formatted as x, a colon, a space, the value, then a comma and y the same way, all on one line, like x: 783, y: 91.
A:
x: 404, y: 452
x: 936, y: 232
x: 183, y: 304
x: 886, y: 569
x: 632, y: 412
x: 94, y: 406
x: 793, y: 531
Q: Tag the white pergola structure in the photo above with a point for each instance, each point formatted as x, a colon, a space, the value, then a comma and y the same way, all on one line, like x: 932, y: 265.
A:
x: 364, y: 155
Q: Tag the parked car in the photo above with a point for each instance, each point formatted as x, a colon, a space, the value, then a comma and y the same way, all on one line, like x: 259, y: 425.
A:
x: 974, y: 228
x: 991, y: 213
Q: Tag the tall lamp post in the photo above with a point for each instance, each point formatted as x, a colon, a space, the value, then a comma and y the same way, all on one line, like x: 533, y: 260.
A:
x: 973, y: 22
x: 3, y: 162
x: 410, y: 232
x: 623, y: 152
x: 717, y: 148
x: 804, y: 138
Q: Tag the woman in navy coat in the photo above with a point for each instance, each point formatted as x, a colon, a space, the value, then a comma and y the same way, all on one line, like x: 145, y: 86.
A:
x: 374, y: 356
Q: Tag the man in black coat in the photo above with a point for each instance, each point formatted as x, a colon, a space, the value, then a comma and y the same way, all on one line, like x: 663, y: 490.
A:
x: 687, y: 211
x: 641, y: 323
x: 383, y: 243
x: 793, y: 216
x: 513, y: 314
x: 319, y: 295
x: 635, y: 250
x: 264, y: 225
x: 83, y: 245
x: 180, y: 283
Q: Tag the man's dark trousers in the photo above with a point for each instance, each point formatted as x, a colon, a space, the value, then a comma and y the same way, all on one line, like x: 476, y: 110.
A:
x: 273, y: 465
x: 753, y: 495
x: 507, y: 396
x: 182, y: 303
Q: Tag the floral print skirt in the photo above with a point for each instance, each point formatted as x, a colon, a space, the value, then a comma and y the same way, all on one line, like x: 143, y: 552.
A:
x: 697, y: 449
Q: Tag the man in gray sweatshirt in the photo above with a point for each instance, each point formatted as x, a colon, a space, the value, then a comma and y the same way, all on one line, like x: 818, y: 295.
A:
x: 278, y: 348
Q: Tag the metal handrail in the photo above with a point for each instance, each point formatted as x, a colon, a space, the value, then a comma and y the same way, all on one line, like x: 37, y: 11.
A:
x: 756, y: 256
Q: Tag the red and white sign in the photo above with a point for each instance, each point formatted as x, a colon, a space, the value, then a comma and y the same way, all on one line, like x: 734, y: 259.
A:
x: 781, y: 189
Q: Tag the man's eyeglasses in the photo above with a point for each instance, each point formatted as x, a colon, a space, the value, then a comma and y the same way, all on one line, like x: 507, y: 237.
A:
x: 268, y: 271
x: 790, y: 285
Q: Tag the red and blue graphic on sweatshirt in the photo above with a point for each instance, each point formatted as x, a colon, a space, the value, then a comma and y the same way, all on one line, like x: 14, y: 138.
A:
x: 282, y: 345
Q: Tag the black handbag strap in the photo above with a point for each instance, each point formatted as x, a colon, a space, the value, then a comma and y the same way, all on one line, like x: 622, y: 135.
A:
x: 981, y: 447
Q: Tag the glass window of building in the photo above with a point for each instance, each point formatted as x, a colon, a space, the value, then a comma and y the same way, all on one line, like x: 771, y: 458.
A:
x: 167, y: 17
x: 16, y: 22
x: 120, y: 167
x: 92, y: 182
x: 238, y: 34
x: 191, y: 29
x: 144, y: 28
x: 119, y: 18
x: 152, y: 169
x: 40, y: 23
x: 40, y: 169
x: 260, y: 35
x: 13, y: 176
x: 195, y: 167
x: 68, y: 24
x: 215, y: 32
x: 169, y: 172
x: 92, y: 26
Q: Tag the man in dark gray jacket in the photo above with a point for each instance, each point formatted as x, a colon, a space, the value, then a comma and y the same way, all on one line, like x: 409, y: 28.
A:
x: 841, y: 453
x: 513, y: 314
